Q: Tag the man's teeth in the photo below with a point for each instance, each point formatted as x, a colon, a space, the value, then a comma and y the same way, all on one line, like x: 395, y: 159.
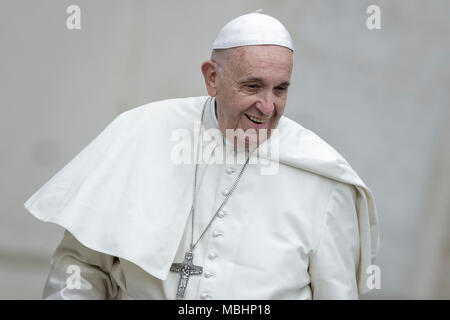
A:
x: 256, y: 119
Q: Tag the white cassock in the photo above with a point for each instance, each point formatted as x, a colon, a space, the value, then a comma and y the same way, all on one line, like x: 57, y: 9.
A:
x: 307, y: 232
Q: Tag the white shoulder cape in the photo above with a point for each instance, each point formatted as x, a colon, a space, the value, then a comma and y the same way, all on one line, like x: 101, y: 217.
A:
x: 123, y: 196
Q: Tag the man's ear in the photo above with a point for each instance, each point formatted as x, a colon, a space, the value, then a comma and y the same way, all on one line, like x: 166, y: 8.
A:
x: 210, y: 74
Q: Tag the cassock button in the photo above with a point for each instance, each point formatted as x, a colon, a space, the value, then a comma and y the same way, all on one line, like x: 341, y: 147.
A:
x: 217, y: 233
x: 226, y: 192
x: 212, y: 255
x: 204, y: 296
x: 221, y: 214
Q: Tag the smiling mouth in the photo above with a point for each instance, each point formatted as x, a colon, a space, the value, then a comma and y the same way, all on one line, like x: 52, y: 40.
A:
x: 255, y: 119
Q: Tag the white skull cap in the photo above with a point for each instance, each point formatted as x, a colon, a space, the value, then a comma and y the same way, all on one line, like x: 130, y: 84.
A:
x: 252, y: 29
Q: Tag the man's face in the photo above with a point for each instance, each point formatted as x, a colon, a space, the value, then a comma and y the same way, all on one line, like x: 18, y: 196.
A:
x: 251, y: 86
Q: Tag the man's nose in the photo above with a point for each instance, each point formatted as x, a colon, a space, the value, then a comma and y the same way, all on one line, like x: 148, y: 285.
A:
x: 266, y: 104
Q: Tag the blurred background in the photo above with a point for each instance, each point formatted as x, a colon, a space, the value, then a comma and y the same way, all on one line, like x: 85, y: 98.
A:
x: 380, y: 97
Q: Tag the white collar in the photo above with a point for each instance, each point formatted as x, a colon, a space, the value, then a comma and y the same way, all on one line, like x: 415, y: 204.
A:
x: 212, y: 112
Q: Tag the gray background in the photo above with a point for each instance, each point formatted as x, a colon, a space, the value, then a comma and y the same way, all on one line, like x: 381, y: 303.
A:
x: 380, y: 97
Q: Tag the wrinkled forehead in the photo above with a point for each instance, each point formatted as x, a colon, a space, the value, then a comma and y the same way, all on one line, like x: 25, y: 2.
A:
x: 259, y: 57
x: 259, y: 51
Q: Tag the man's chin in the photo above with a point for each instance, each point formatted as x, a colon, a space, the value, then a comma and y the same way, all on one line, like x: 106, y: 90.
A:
x: 247, y: 138
x: 252, y: 142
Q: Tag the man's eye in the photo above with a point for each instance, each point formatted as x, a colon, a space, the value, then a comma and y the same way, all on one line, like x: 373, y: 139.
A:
x: 252, y: 86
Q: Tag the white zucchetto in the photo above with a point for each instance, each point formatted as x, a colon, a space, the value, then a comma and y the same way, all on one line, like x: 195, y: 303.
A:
x: 250, y: 29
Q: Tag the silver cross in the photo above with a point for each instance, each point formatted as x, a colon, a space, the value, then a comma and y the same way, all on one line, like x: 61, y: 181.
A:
x: 186, y: 269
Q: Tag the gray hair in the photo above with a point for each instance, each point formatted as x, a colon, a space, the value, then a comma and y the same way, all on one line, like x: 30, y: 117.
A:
x: 220, y: 57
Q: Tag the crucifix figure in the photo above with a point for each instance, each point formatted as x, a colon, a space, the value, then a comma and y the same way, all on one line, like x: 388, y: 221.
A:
x: 186, y: 269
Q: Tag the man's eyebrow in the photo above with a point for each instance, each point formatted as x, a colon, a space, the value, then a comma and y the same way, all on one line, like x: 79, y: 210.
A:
x: 285, y: 84
x: 255, y: 79
x: 252, y: 79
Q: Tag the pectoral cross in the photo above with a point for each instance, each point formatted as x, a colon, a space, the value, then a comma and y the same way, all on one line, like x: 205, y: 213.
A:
x: 186, y: 269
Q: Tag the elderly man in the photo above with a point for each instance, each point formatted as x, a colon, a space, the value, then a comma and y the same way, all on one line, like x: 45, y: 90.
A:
x: 140, y: 224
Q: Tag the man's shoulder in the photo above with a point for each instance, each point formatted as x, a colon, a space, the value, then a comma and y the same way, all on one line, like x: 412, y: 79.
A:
x: 161, y: 107
x: 296, y: 139
x: 303, y: 149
